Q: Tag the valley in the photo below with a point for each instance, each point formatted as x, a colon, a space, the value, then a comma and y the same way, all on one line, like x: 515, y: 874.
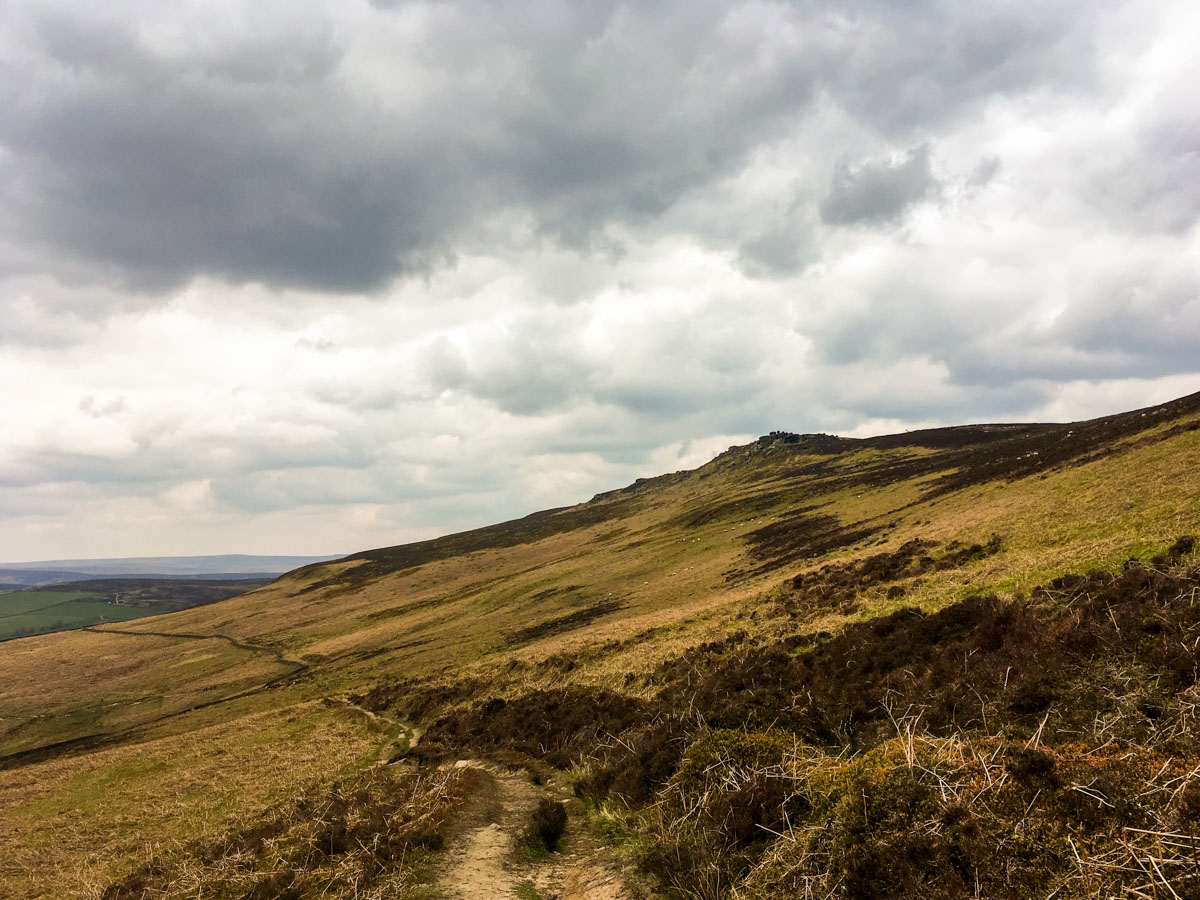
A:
x: 67, y: 605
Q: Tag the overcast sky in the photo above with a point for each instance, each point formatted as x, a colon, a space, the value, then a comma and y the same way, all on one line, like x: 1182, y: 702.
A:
x: 300, y: 277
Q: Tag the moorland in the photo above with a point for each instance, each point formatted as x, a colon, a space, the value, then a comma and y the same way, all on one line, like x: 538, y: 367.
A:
x: 959, y: 662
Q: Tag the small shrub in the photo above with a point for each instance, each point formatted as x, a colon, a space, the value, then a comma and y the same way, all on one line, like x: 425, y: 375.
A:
x: 1032, y: 767
x: 1181, y: 548
x: 1185, y: 812
x: 547, y: 823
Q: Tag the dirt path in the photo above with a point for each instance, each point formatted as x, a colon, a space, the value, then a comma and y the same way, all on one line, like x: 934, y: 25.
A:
x: 297, y: 665
x: 483, y: 863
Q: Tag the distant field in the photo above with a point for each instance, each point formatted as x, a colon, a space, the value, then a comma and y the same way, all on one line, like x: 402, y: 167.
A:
x: 94, y: 602
x: 19, y: 602
x: 24, y: 613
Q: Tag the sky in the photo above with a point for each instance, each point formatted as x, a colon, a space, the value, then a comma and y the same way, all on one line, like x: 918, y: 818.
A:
x: 291, y: 277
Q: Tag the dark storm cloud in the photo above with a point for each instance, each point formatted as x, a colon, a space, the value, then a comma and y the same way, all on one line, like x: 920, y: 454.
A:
x: 877, y: 192
x: 275, y: 146
x: 907, y: 67
x: 987, y: 169
x: 245, y: 166
x: 1155, y: 186
x: 784, y: 245
x: 307, y: 275
x: 1158, y: 324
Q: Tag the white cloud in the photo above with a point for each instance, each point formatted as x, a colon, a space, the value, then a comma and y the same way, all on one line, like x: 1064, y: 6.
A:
x: 299, y: 278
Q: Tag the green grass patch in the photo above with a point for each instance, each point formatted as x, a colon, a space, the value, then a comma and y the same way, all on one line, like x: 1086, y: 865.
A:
x: 17, y: 603
x: 41, y: 612
x: 535, y: 852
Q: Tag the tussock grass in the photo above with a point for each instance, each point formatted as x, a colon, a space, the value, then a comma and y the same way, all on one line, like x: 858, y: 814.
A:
x: 1076, y: 774
x: 71, y: 825
x: 364, y: 837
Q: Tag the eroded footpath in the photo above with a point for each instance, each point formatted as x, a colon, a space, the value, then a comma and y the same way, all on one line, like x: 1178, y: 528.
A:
x: 483, y: 860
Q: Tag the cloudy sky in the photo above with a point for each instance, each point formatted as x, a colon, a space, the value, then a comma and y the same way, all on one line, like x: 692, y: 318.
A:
x: 281, y: 276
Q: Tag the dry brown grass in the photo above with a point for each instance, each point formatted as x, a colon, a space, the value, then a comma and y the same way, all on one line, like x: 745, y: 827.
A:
x: 71, y: 825
x: 65, y: 685
x: 361, y: 838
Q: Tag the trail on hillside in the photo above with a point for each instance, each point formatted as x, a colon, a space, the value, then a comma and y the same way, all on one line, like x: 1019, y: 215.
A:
x: 94, y: 741
x: 484, y: 860
x: 278, y: 655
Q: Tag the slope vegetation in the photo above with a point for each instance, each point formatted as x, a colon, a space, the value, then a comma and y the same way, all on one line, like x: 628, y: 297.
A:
x: 949, y: 663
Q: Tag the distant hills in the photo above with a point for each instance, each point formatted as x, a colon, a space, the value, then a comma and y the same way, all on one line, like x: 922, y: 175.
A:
x: 52, y: 571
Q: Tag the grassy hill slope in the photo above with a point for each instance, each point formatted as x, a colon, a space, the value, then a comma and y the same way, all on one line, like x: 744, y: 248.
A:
x: 942, y: 624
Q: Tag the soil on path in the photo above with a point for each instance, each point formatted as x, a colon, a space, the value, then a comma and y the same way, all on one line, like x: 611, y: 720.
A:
x: 484, y: 861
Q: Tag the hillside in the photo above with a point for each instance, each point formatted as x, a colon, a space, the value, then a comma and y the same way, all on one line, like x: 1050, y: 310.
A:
x: 946, y: 663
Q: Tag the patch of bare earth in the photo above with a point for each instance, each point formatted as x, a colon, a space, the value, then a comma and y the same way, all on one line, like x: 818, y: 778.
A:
x: 485, y: 860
